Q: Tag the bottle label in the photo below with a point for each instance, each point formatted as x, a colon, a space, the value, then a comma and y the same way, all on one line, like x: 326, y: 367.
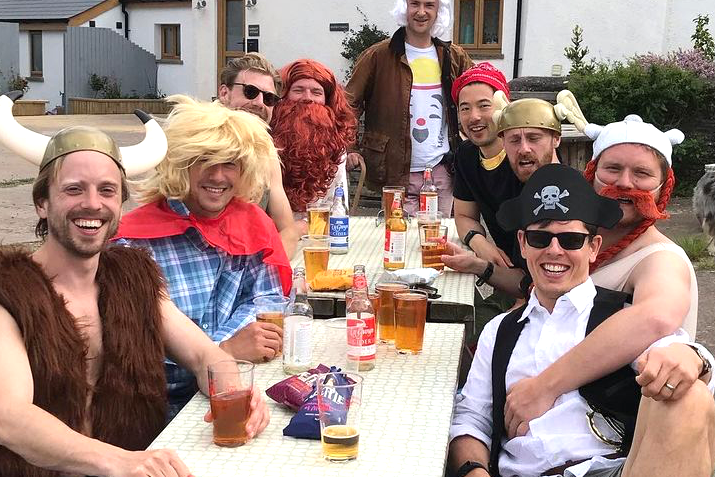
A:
x: 298, y: 340
x: 359, y: 282
x: 339, y: 231
x: 366, y: 347
x: 395, y: 246
x: 429, y: 203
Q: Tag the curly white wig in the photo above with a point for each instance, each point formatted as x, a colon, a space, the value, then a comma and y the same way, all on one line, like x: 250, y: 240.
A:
x: 441, y: 25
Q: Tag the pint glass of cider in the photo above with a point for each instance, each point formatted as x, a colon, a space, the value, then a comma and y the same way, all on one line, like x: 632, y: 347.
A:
x: 318, y: 219
x: 433, y: 244
x: 271, y: 309
x: 386, y: 311
x: 339, y: 409
x: 230, y: 388
x: 316, y: 252
x: 410, y: 318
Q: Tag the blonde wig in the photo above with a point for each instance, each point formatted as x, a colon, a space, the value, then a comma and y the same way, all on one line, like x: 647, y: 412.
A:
x: 441, y: 24
x: 209, y: 131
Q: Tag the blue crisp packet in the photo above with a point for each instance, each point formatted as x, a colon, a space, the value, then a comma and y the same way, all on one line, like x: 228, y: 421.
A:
x: 306, y: 422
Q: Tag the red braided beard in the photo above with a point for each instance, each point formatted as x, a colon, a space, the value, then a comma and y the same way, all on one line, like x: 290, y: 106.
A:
x: 311, y: 148
x: 665, y: 192
x: 642, y: 201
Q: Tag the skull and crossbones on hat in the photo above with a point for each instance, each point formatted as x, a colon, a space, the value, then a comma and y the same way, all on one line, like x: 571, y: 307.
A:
x: 550, y: 197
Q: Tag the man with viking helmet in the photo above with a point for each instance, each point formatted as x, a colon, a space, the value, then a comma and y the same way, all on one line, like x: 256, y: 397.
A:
x: 632, y: 164
x: 83, y: 326
x: 218, y: 250
x: 530, y: 130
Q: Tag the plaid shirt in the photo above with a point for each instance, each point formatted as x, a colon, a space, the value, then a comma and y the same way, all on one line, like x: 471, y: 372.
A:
x: 214, y: 289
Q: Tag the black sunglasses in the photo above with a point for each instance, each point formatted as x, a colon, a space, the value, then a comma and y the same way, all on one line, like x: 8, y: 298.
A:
x: 567, y: 240
x: 250, y: 92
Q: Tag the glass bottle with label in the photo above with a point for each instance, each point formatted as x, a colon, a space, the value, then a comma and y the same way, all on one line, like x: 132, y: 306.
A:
x: 429, y: 201
x: 298, y: 327
x: 395, y: 236
x: 339, y: 224
x: 360, y: 308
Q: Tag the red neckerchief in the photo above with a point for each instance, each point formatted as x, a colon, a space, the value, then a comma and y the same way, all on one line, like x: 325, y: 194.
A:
x: 241, y: 229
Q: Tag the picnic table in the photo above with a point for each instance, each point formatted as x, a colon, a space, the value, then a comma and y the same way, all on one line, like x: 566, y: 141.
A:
x: 404, y: 429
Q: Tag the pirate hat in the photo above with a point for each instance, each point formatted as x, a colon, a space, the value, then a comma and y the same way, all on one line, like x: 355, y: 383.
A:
x: 558, y: 192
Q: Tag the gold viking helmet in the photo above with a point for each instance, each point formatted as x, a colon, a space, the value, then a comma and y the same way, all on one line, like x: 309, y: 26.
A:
x: 41, y: 150
x: 80, y: 138
x: 536, y: 113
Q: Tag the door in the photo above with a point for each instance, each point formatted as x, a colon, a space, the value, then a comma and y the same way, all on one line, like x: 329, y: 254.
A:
x: 231, y: 18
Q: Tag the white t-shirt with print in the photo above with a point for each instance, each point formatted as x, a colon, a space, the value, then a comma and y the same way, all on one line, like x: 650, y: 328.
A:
x: 428, y: 121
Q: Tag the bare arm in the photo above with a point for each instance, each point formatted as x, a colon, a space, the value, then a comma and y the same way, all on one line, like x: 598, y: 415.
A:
x: 45, y: 441
x: 661, y: 299
x: 466, y: 217
x: 464, y: 448
x: 280, y: 211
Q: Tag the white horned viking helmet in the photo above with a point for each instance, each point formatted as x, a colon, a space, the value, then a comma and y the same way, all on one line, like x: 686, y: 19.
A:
x: 42, y: 150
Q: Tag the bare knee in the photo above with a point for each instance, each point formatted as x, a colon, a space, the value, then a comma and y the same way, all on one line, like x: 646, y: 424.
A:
x: 697, y: 401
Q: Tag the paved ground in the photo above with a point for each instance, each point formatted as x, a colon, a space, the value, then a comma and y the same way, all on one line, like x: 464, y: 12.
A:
x: 17, y: 216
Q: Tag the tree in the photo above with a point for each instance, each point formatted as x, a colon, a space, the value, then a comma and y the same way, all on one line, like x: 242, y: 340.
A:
x: 702, y: 39
x: 576, y: 53
x: 360, y: 40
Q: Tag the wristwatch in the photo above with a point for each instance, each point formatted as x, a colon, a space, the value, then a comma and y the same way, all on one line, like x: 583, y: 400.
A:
x: 469, y: 466
x: 484, y: 277
x: 707, y: 366
x: 470, y: 235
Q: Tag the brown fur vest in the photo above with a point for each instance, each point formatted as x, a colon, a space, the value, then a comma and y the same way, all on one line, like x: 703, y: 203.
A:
x: 129, y: 399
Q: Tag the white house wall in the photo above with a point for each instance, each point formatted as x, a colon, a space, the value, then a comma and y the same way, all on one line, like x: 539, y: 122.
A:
x: 196, y: 75
x: 679, y: 21
x: 109, y: 20
x: 53, y: 69
x: 297, y: 29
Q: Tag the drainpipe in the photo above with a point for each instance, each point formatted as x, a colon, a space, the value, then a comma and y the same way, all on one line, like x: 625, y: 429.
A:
x: 126, y: 20
x: 517, y: 39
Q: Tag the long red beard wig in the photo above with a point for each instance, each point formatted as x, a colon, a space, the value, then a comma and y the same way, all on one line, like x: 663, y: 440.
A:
x: 644, y: 204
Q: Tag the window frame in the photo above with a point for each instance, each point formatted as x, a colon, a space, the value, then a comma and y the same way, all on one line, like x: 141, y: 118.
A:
x: 175, y: 30
x: 479, y: 49
x: 32, y: 35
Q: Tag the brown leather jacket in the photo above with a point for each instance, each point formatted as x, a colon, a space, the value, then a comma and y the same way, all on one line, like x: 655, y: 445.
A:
x: 380, y: 86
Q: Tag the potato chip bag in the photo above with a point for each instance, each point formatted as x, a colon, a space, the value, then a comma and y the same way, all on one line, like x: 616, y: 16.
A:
x: 340, y: 279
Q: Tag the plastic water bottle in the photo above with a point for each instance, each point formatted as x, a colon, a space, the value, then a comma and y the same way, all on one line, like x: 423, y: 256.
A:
x: 339, y: 224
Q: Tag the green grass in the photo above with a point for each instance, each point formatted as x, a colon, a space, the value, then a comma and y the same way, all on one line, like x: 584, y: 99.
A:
x: 696, y: 247
x: 15, y: 182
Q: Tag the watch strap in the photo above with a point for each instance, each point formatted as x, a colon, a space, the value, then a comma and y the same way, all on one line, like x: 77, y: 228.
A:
x: 470, y: 235
x: 469, y: 466
x: 707, y: 366
x: 486, y: 275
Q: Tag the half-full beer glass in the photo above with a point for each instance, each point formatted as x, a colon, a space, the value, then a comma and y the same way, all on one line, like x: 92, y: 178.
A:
x: 318, y: 218
x: 339, y: 409
x: 271, y: 309
x: 230, y: 388
x: 386, y: 311
x: 316, y: 253
x: 410, y: 318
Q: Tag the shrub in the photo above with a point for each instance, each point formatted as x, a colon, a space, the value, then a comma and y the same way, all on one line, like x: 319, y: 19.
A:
x: 360, y: 40
x: 693, y: 60
x: 576, y: 53
x: 702, y: 39
x: 15, y: 82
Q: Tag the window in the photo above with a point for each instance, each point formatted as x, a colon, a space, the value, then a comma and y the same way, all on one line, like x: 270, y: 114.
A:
x: 170, y: 42
x: 478, y: 26
x: 36, y: 53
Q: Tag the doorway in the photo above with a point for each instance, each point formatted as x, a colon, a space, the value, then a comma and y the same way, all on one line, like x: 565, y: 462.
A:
x: 231, y: 18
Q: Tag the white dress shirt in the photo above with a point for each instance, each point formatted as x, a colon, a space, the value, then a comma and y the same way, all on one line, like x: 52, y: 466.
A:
x: 563, y: 432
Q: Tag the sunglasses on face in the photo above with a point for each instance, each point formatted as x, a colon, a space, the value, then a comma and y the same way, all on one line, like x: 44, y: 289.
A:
x: 567, y: 240
x: 250, y: 92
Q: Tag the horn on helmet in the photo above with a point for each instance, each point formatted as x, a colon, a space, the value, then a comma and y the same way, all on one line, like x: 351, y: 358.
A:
x: 22, y: 141
x: 499, y: 102
x: 146, y: 155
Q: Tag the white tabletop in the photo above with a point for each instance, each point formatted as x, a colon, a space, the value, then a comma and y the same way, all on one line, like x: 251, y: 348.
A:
x: 403, y: 432
x: 367, y: 242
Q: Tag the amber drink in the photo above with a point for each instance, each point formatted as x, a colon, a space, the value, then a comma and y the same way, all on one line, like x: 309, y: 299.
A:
x: 410, y: 318
x: 388, y: 197
x: 270, y: 309
x: 433, y: 244
x: 386, y: 310
x: 230, y: 388
x: 318, y: 219
x: 316, y: 253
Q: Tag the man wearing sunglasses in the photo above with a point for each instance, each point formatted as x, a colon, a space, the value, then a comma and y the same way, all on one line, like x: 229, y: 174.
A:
x: 632, y: 164
x: 252, y: 84
x: 616, y: 424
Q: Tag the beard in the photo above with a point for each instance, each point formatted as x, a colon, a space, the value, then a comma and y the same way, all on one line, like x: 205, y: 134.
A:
x: 60, y: 229
x: 311, y: 149
x: 642, y: 200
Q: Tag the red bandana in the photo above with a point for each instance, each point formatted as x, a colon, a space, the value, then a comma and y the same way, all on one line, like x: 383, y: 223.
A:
x: 241, y: 229
x: 483, y: 72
